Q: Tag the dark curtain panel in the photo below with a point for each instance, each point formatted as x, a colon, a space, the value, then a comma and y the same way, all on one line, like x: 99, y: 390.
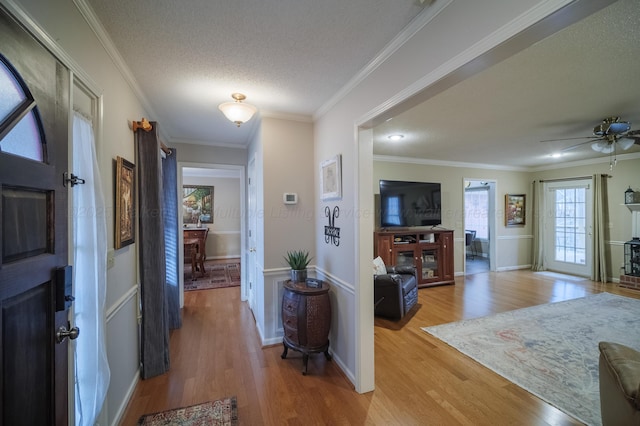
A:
x: 171, y: 229
x: 155, y: 329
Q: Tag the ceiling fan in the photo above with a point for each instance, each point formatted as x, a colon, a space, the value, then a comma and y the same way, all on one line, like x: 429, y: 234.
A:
x: 607, y: 137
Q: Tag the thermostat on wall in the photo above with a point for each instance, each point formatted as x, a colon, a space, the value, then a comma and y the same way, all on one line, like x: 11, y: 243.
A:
x: 290, y: 198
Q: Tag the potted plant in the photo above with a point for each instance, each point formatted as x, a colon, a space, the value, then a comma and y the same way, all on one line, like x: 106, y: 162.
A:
x: 298, y: 261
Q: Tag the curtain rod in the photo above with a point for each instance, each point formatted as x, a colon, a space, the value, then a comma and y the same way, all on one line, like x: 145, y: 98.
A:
x: 571, y: 178
x: 147, y: 127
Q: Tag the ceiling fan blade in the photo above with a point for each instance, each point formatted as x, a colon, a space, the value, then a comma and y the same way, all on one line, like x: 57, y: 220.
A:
x: 578, y: 145
x: 567, y: 139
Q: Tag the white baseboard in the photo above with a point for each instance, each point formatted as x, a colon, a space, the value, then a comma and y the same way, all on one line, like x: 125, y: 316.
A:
x: 512, y: 268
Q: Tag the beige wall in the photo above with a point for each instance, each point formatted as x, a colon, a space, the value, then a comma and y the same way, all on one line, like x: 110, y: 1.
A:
x: 513, y: 245
x: 624, y: 174
x: 288, y: 167
x: 223, y: 241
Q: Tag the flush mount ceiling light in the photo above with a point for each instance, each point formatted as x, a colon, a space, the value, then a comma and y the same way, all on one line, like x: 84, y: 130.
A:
x: 238, y: 112
x: 396, y: 137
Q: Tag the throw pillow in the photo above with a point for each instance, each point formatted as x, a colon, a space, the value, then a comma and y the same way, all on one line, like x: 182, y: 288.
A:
x: 378, y: 266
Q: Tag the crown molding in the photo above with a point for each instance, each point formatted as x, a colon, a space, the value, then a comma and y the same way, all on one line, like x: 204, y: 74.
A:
x: 506, y: 32
x: 103, y: 37
x: 416, y: 24
x: 460, y: 164
x: 180, y: 141
x: 49, y: 42
x: 286, y: 116
x: 589, y: 162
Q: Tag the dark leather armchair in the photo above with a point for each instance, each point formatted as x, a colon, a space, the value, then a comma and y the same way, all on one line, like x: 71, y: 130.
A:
x: 396, y: 292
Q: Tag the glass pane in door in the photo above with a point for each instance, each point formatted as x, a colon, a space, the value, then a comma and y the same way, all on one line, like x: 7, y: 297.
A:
x: 570, y: 225
x: 405, y: 258
x: 429, y: 264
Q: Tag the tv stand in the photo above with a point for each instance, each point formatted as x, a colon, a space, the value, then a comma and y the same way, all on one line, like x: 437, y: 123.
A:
x: 430, y: 250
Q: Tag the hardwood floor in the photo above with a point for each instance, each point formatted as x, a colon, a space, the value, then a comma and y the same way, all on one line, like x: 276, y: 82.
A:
x: 419, y: 379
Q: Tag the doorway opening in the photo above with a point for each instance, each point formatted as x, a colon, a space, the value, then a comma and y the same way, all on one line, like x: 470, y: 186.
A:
x: 479, y: 225
x: 223, y: 237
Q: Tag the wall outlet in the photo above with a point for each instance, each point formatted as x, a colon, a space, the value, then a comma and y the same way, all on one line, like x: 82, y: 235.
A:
x: 111, y: 259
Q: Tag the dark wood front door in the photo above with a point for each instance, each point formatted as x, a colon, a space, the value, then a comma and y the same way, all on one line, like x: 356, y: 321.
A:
x: 34, y: 117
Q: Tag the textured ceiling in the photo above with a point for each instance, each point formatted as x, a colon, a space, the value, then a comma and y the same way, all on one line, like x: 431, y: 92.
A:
x: 560, y: 87
x: 290, y: 57
x: 286, y: 56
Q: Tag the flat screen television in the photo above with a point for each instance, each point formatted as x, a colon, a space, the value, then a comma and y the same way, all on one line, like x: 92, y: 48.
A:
x: 405, y: 204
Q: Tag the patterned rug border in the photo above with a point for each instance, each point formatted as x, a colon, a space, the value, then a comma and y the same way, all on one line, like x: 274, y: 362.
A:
x: 146, y: 419
x: 230, y: 276
x: 600, y: 298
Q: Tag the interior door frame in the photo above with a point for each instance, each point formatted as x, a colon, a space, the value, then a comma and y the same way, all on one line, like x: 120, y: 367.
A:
x: 492, y: 219
x: 549, y: 229
x: 243, y: 226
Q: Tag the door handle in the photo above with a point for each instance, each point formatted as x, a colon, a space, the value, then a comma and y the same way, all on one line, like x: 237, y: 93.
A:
x: 252, y: 249
x: 63, y: 333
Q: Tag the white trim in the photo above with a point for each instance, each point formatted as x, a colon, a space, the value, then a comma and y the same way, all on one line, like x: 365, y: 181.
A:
x: 123, y: 300
x: 504, y: 33
x: 514, y: 237
x: 335, y: 281
x: 422, y: 19
x: 512, y: 268
x: 589, y: 162
x: 49, y: 42
x: 428, y: 162
x: 103, y: 37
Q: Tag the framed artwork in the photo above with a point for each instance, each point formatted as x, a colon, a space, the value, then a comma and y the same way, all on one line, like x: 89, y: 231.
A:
x: 514, y: 210
x: 197, y: 204
x: 331, y: 178
x: 125, y: 203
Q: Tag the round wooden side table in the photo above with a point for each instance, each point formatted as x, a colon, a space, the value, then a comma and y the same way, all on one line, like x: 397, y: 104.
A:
x: 306, y: 318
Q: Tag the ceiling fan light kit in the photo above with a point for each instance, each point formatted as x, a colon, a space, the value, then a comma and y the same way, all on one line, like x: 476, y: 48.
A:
x: 608, y: 136
x: 238, y: 112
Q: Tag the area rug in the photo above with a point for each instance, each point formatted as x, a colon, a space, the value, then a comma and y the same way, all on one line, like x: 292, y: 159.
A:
x: 217, y: 275
x: 221, y: 412
x: 550, y: 350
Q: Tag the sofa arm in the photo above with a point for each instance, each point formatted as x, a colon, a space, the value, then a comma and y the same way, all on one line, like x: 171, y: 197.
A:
x: 619, y: 368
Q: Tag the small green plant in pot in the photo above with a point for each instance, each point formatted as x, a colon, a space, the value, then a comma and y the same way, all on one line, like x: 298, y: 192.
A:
x: 298, y: 261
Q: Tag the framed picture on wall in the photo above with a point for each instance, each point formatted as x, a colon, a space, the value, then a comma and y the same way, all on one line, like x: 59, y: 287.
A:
x: 197, y: 204
x: 514, y: 210
x: 331, y: 178
x: 125, y: 203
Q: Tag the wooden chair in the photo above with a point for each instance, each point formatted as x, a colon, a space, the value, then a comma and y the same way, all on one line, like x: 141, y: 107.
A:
x: 191, y: 253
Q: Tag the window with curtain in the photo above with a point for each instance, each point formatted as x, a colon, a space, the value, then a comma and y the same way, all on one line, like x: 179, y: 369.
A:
x: 476, y: 211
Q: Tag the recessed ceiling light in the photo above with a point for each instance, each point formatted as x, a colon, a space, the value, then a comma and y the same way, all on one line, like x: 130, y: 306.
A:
x: 396, y: 137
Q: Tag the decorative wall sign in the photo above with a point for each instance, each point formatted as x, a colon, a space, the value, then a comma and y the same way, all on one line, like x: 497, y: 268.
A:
x: 331, y: 232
